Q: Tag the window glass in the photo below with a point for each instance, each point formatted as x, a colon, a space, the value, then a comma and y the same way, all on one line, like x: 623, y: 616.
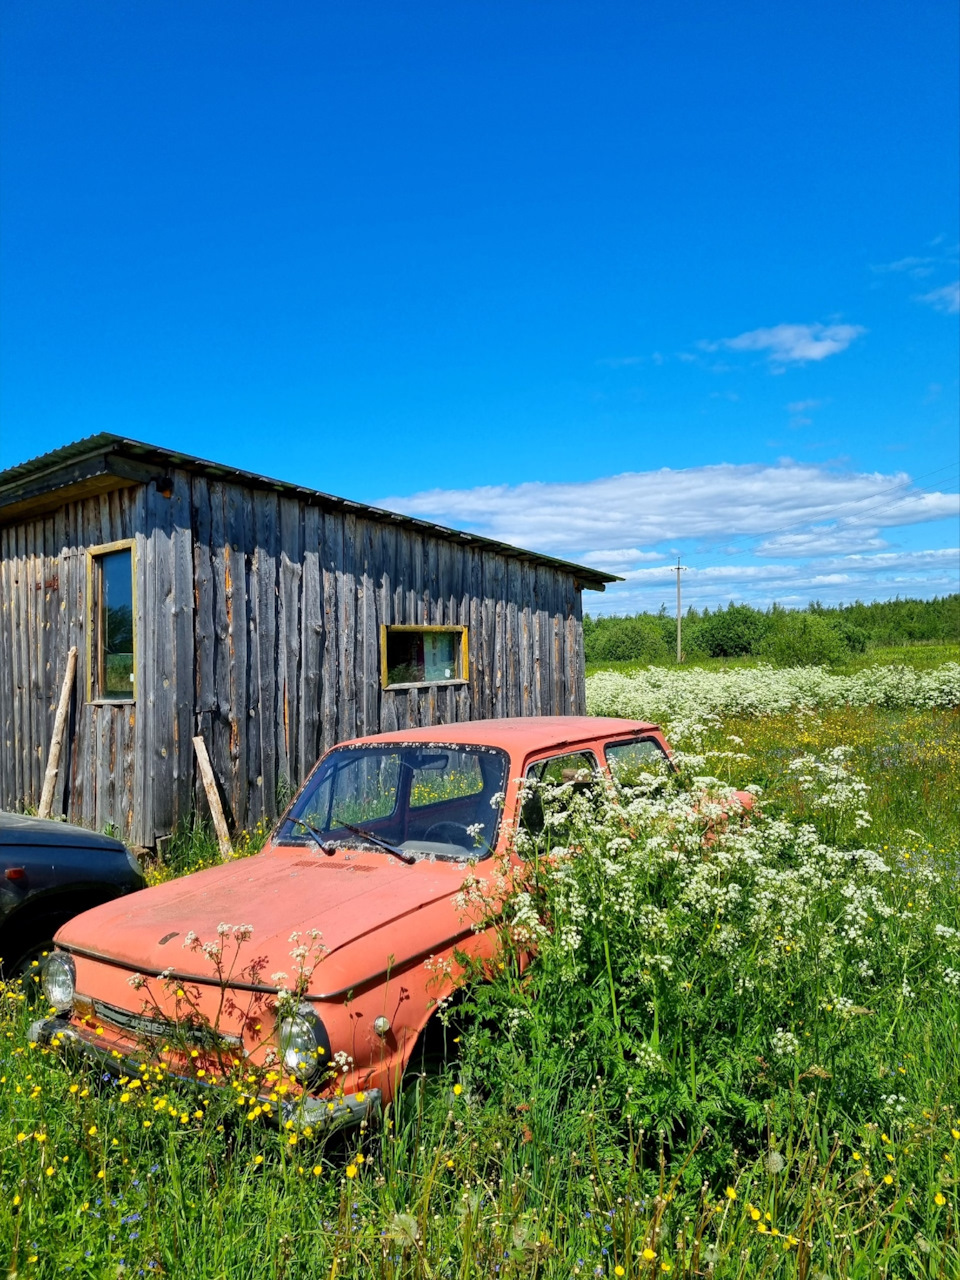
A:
x: 576, y: 766
x: 643, y: 755
x: 459, y: 775
x: 113, y: 650
x: 365, y: 789
x: 568, y: 768
x: 423, y: 657
x: 425, y: 800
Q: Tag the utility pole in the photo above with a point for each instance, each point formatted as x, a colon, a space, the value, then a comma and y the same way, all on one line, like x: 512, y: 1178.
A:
x: 681, y: 568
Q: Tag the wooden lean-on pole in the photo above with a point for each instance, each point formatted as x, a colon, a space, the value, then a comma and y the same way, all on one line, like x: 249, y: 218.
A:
x: 213, y: 797
x: 56, y: 743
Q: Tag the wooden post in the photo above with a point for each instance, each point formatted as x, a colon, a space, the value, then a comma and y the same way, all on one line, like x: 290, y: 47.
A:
x: 213, y: 797
x: 56, y: 743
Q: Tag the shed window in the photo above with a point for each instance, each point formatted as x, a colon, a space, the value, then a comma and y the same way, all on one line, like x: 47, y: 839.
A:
x: 422, y: 655
x: 112, y: 649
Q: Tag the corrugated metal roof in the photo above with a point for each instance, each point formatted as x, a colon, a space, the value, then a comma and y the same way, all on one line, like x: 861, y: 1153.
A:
x: 94, y: 449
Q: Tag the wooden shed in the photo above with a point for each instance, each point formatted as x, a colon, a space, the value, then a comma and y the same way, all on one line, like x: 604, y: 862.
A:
x: 269, y: 619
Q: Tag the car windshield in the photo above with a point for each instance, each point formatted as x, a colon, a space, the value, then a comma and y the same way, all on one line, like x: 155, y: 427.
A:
x: 423, y: 799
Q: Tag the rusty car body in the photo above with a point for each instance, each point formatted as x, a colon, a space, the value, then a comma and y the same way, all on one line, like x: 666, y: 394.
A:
x: 316, y: 965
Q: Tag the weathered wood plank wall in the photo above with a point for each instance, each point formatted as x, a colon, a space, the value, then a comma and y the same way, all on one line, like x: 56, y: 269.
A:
x: 43, y: 585
x: 258, y: 627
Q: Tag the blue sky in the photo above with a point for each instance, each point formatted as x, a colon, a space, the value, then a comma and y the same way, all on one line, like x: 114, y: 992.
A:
x: 614, y: 281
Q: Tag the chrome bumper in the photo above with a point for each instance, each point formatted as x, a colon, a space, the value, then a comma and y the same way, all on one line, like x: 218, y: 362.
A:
x: 347, y: 1111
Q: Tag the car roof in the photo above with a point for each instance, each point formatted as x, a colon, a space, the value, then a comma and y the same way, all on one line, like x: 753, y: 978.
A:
x: 518, y: 733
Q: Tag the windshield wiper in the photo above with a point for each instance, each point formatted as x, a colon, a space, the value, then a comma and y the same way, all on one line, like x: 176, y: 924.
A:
x: 322, y: 845
x: 402, y: 854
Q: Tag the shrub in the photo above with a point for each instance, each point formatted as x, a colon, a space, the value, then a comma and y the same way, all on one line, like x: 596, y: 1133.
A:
x: 732, y: 632
x: 638, y: 639
x: 802, y: 640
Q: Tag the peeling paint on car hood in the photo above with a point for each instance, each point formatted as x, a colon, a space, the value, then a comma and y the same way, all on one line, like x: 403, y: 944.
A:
x: 353, y: 898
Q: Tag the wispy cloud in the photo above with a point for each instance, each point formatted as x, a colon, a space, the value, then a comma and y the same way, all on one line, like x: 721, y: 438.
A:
x: 623, y: 556
x: 748, y: 531
x: 792, y: 343
x: 918, y: 268
x: 918, y: 573
x: 645, y: 508
x: 820, y: 541
x: 804, y: 406
x: 946, y: 298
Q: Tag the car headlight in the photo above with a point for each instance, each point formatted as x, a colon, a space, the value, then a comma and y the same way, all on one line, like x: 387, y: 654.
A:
x: 304, y: 1044
x: 59, y: 980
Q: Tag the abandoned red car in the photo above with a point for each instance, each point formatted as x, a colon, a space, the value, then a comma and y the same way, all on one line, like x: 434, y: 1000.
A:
x: 315, y: 966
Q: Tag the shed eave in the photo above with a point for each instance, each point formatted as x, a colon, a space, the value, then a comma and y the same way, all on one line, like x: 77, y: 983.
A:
x: 104, y: 461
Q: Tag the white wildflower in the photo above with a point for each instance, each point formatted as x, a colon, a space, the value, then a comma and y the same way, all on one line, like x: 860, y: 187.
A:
x: 784, y: 1044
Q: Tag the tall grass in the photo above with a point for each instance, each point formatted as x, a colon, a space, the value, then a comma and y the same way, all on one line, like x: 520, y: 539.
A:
x: 690, y: 1087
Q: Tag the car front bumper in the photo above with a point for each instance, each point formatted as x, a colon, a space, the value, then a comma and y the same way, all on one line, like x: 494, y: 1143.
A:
x: 346, y: 1111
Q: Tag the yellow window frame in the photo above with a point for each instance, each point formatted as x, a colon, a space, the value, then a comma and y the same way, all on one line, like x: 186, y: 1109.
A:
x: 464, y: 663
x: 93, y: 624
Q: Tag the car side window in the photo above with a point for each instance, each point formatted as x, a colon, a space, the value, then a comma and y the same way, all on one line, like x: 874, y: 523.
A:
x: 574, y: 766
x: 627, y: 759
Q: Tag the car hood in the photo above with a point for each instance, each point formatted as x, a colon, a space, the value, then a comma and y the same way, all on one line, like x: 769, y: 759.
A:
x: 371, y: 910
x: 19, y: 829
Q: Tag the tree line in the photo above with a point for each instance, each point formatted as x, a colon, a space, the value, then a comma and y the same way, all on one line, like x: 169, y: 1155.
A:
x: 786, y: 637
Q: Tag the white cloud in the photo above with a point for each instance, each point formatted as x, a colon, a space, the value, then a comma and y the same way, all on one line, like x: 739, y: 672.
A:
x: 793, y: 343
x: 948, y: 557
x: 820, y: 541
x: 621, y: 555
x: 913, y: 573
x: 804, y: 406
x: 752, y: 531
x: 946, y: 298
x: 915, y: 267
x: 645, y: 508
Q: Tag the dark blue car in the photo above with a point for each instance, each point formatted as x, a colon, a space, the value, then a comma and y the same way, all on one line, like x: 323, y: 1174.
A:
x: 50, y: 872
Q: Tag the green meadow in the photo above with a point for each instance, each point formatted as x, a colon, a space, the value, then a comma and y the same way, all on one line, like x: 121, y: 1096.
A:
x: 736, y: 1053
